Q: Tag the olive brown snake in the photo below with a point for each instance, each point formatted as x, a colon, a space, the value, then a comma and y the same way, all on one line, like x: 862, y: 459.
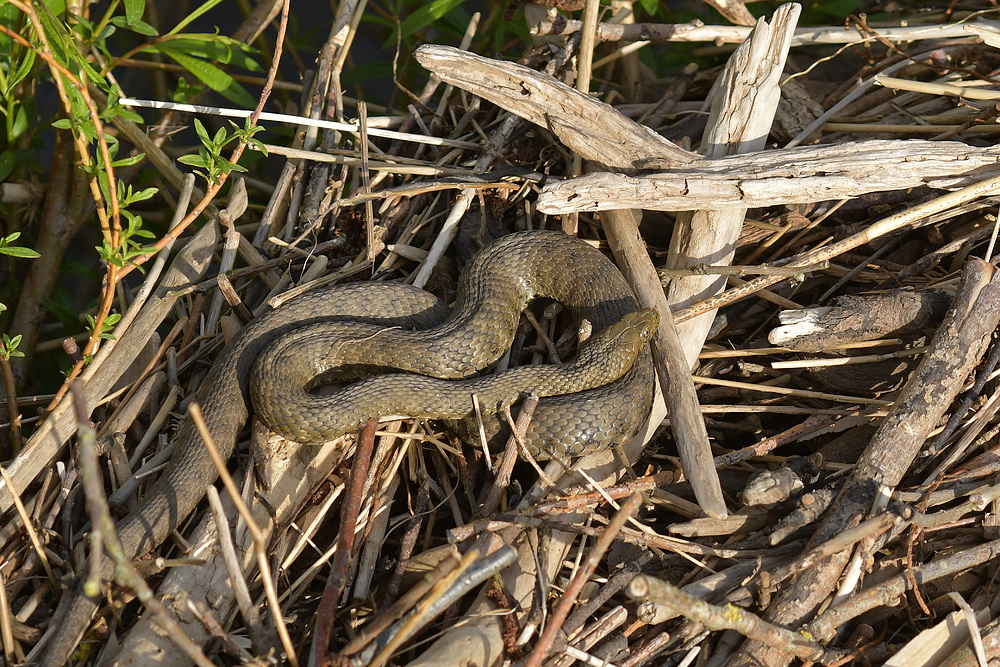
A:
x: 390, y: 319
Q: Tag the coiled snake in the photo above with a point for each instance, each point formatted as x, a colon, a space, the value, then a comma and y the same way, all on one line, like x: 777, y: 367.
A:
x: 389, y: 319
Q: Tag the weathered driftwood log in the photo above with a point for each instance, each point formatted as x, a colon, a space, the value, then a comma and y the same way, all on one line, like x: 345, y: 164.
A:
x: 775, y: 177
x: 856, y: 317
x: 591, y: 128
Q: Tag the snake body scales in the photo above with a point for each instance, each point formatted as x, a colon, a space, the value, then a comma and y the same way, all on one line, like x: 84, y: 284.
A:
x: 282, y: 378
x: 493, y: 290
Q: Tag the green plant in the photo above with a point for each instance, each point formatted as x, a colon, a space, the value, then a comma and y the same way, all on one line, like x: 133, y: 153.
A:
x: 209, y: 162
x: 107, y: 326
x: 15, y: 251
x: 78, y: 48
x: 8, y: 345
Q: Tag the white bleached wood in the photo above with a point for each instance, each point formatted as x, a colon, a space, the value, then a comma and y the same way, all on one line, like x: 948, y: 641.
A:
x: 591, y: 128
x: 746, y: 98
x: 796, y: 175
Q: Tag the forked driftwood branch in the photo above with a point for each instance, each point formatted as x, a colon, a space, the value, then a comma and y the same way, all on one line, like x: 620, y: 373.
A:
x: 742, y: 112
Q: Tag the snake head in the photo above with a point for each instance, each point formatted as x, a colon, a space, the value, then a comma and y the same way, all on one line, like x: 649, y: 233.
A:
x: 647, y: 321
x: 632, y: 331
x: 638, y: 326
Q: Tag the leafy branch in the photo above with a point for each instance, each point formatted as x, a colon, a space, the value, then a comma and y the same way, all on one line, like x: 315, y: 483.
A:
x: 71, y: 103
x: 234, y: 158
x: 209, y: 159
x: 122, y: 257
x: 78, y: 106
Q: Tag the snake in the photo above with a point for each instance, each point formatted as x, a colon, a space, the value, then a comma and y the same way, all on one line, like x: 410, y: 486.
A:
x: 283, y: 376
x: 399, y: 327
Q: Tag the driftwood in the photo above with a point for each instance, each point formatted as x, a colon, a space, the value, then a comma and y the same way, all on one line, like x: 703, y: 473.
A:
x: 697, y: 31
x: 585, y: 125
x: 742, y: 112
x: 851, y: 318
x: 786, y: 176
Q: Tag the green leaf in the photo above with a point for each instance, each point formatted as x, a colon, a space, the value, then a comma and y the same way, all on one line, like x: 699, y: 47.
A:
x: 140, y: 27
x: 209, y: 4
x: 193, y: 160
x: 211, y: 47
x: 87, y: 67
x: 7, y: 162
x: 199, y: 127
x: 128, y: 161
x: 219, y: 139
x: 57, y: 7
x: 650, y: 6
x: 101, y: 37
x: 17, y: 251
x: 214, y: 78
x: 143, y: 195
x: 258, y: 146
x: 56, y: 33
x: 22, y: 71
x: 426, y: 15
x: 78, y: 107
x: 21, y: 123
x: 185, y: 91
x: 134, y: 10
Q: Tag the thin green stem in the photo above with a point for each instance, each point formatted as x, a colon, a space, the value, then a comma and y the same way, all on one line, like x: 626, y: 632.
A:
x: 105, y: 19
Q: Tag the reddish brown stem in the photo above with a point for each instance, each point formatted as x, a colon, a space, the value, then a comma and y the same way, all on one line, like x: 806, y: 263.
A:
x: 345, y: 542
x: 561, y: 612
